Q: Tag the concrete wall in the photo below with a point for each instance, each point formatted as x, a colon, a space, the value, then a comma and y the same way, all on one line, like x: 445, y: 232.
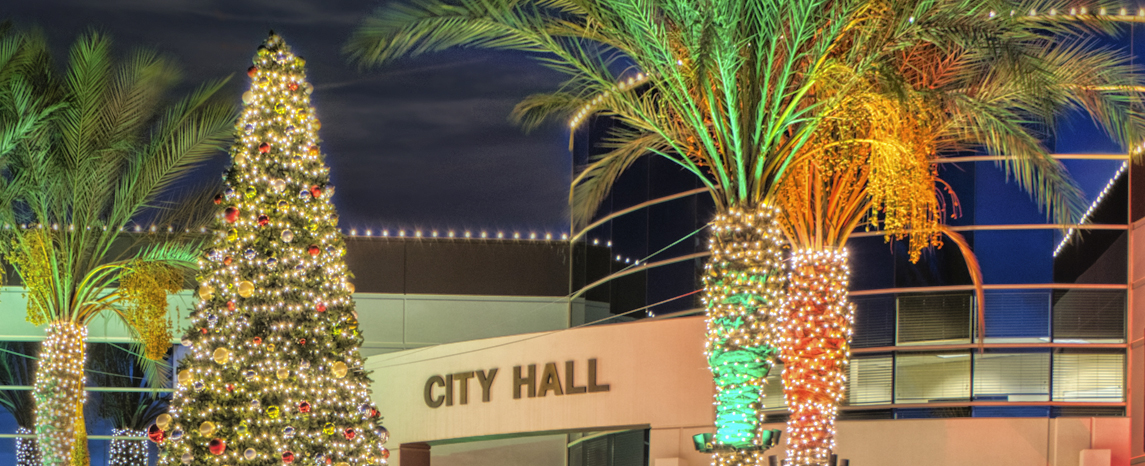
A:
x: 655, y: 371
x: 389, y: 322
x: 1136, y: 324
x: 658, y: 380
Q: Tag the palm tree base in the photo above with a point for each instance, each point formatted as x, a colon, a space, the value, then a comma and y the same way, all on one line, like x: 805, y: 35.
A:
x: 742, y: 286
x: 58, y: 391
x: 815, y: 351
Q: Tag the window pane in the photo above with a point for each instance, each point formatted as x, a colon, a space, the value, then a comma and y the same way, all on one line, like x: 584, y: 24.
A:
x: 1089, y: 316
x: 874, y: 322
x: 773, y: 390
x: 1017, y: 316
x: 932, y: 377
x: 1089, y: 377
x: 934, y: 318
x: 1012, y: 376
x: 869, y: 380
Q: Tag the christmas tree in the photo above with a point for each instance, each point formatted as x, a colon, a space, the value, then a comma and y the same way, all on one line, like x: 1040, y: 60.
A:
x: 274, y: 375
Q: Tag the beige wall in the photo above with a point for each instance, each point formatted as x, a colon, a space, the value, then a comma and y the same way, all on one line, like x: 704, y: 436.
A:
x: 655, y: 370
x: 659, y: 380
x: 1136, y: 359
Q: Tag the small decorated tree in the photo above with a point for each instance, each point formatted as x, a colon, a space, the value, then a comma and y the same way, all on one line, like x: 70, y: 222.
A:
x: 16, y: 368
x: 274, y: 375
x: 130, y: 412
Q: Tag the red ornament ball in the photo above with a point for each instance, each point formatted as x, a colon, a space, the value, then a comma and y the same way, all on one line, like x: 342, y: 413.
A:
x: 349, y: 433
x: 263, y: 220
x: 217, y: 446
x: 230, y: 387
x: 232, y: 214
x: 385, y: 453
x: 302, y: 341
x: 203, y: 330
x: 218, y: 199
x: 288, y: 457
x: 321, y: 307
x: 230, y: 305
x: 252, y: 71
x: 373, y: 412
x: 156, y: 434
x: 304, y: 407
x: 313, y: 250
x: 293, y: 86
x: 316, y: 191
x: 227, y: 260
x: 257, y: 340
x: 264, y: 148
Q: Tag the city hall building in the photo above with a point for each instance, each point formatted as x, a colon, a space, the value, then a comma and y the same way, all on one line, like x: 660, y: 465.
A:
x: 1057, y: 381
x: 480, y: 357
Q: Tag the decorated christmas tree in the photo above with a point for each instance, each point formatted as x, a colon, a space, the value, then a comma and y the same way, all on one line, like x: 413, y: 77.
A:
x: 274, y: 375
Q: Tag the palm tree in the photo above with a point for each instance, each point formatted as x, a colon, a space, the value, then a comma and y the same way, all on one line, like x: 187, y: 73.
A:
x: 16, y: 368
x: 722, y: 89
x: 748, y: 94
x: 112, y: 148
x: 130, y: 413
x: 999, y: 86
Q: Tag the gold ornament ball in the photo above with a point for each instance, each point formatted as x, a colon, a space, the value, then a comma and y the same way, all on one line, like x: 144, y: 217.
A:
x: 186, y: 377
x: 206, y: 428
x: 272, y: 412
x: 283, y: 373
x: 163, y: 421
x: 246, y: 288
x: 340, y: 369
x: 350, y: 287
x: 206, y: 292
x: 328, y: 429
x: 248, y: 97
x: 222, y: 355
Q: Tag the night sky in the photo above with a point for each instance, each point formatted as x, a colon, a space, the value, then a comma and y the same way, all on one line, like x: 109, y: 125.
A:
x: 423, y: 143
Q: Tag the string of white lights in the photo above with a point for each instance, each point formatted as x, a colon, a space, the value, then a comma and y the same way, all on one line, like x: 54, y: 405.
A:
x: 1097, y: 201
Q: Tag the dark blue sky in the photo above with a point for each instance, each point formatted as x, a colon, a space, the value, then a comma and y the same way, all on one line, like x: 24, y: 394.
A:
x: 424, y: 143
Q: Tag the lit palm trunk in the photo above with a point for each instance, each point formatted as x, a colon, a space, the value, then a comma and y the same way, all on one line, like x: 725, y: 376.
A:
x: 815, y: 351
x: 59, y: 392
x: 742, y: 287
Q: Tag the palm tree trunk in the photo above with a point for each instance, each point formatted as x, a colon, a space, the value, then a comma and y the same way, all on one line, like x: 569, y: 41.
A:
x: 742, y: 286
x: 815, y: 351
x: 128, y: 452
x: 59, y: 391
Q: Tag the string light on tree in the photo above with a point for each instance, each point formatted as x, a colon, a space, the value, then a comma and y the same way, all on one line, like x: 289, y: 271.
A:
x: 125, y: 452
x: 27, y: 454
x: 274, y: 368
x: 743, y: 283
x: 815, y: 351
x: 60, y: 393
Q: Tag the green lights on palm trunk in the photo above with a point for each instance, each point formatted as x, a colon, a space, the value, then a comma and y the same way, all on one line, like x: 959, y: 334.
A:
x: 742, y: 286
